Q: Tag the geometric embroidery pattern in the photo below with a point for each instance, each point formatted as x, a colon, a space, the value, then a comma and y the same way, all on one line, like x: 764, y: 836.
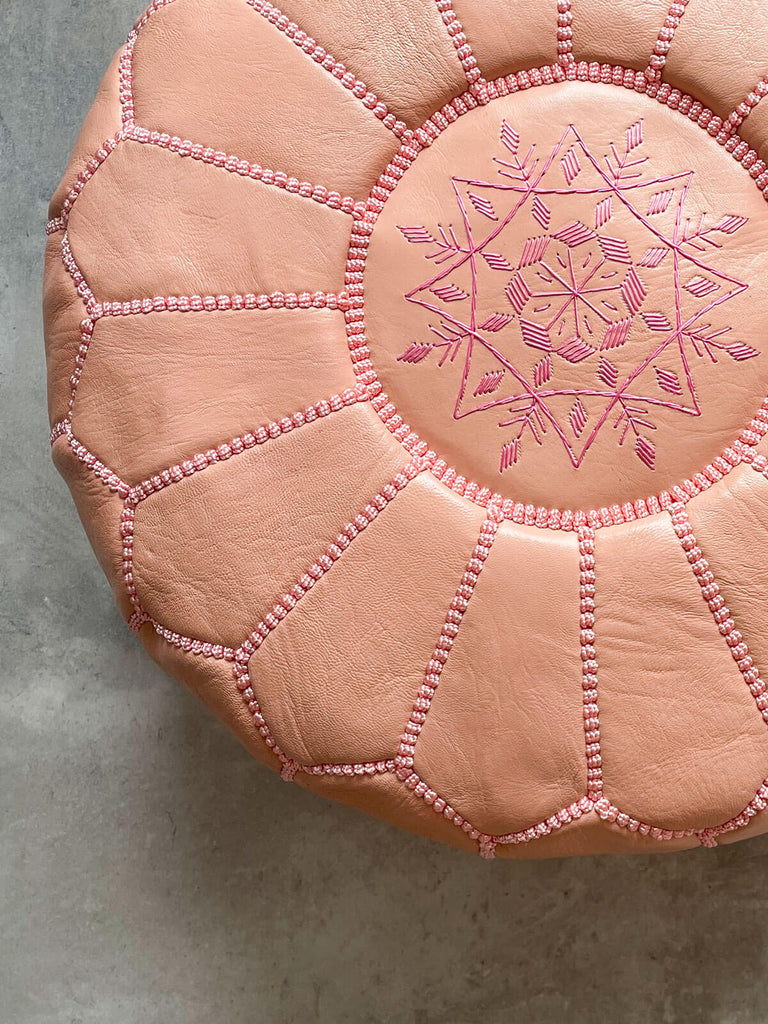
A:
x: 564, y: 327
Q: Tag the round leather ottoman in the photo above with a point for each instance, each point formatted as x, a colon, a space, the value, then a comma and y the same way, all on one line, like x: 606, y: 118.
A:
x: 408, y: 366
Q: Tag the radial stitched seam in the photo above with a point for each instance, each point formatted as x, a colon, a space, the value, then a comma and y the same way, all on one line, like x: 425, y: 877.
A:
x: 255, y: 172
x: 737, y: 117
x: 710, y: 591
x: 663, y: 43
x: 448, y: 634
x: 542, y: 517
x: 175, y: 474
x: 404, y: 763
x: 289, y: 601
x: 126, y: 63
x: 218, y: 303
x: 334, y: 67
x: 182, y: 304
x: 88, y: 171
x: 564, y: 33
x: 244, y: 442
x: 461, y: 44
x: 589, y: 667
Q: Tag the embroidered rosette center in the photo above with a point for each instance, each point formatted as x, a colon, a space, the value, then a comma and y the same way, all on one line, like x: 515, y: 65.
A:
x: 558, y: 297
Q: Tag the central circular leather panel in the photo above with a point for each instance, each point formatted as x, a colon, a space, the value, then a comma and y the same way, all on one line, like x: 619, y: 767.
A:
x: 560, y: 298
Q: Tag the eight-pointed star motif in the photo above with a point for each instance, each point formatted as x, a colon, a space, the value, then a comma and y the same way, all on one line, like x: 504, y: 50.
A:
x: 575, y: 294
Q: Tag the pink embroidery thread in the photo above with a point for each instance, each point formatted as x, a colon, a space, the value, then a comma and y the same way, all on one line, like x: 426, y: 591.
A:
x: 360, y: 354
x: 577, y: 292
x: 463, y: 48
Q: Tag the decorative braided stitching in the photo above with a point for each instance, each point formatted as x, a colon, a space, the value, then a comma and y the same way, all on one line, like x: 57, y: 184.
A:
x: 589, y: 662
x: 273, y: 619
x: 321, y: 56
x: 564, y: 33
x: 663, y: 44
x: 710, y: 591
x: 175, y: 474
x: 404, y: 763
x: 233, y: 164
x: 747, y: 105
x: 464, y: 52
x: 585, y: 523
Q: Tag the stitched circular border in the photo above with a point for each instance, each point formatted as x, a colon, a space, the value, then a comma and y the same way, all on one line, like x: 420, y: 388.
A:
x: 723, y: 132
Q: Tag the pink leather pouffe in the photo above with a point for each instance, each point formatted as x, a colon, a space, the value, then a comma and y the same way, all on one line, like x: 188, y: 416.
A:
x: 408, y: 366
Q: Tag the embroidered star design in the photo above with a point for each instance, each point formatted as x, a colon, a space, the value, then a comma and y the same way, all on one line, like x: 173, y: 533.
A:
x: 575, y: 294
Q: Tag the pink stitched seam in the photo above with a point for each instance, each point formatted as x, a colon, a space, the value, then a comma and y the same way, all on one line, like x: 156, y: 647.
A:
x: 255, y: 172
x: 229, y: 162
x: 530, y: 515
x: 58, y: 430
x: 55, y: 225
x: 104, y: 473
x: 216, y: 303
x: 81, y: 285
x: 564, y: 33
x: 661, y: 49
x: 273, y: 618
x: 175, y: 474
x: 404, y: 762
x: 182, y: 304
x: 710, y: 591
x: 201, y: 648
x: 202, y: 461
x: 107, y: 148
x: 463, y: 48
x: 607, y: 811
x: 448, y: 634
x: 589, y: 662
x: 329, y: 63
x: 709, y: 836
x: 126, y: 63
x: 747, y: 105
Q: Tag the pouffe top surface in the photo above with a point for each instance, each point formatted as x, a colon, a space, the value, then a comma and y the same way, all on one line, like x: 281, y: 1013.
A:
x: 407, y: 364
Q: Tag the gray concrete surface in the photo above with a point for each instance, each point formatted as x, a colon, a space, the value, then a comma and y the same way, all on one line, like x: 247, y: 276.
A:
x: 149, y: 871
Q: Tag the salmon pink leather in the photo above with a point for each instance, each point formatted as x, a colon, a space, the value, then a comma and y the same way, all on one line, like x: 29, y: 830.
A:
x: 408, y: 366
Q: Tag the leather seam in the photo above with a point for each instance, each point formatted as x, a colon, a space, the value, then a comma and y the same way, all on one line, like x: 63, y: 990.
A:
x: 325, y: 60
x: 663, y: 43
x: 461, y: 44
x: 211, y: 157
x: 710, y: 592
x: 288, y: 602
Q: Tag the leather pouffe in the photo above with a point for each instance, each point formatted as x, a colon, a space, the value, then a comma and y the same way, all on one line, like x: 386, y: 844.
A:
x: 408, y: 366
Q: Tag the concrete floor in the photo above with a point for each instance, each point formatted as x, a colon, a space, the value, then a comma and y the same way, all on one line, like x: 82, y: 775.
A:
x: 151, y: 872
